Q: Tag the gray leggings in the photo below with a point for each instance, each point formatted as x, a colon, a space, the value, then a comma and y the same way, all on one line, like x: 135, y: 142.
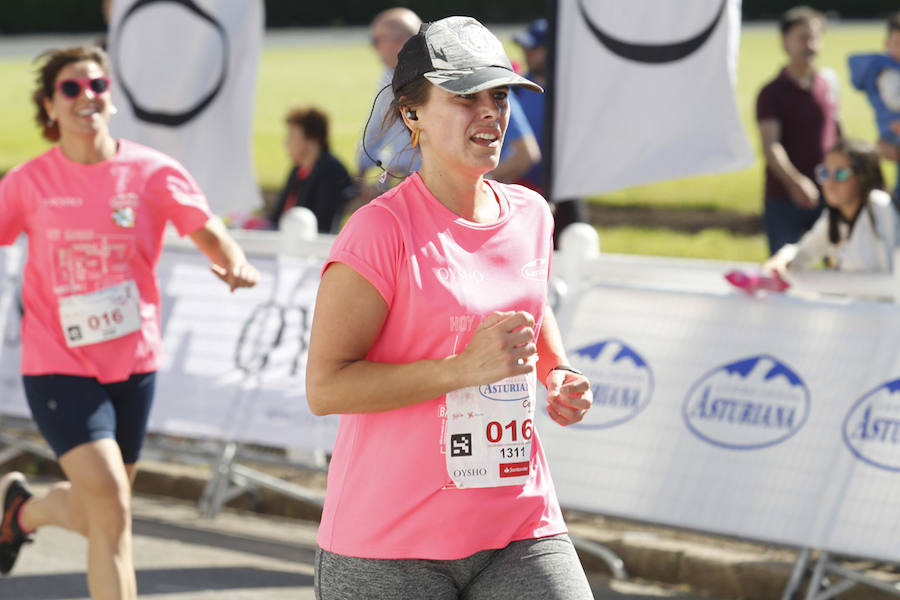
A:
x: 542, y: 569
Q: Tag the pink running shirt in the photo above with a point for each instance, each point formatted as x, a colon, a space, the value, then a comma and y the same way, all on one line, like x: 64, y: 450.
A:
x: 390, y: 494
x: 91, y: 227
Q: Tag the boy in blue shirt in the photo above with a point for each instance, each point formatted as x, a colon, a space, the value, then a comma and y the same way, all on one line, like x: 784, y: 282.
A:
x: 879, y: 76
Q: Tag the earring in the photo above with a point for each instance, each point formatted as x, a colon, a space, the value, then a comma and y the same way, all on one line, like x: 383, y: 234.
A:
x: 112, y: 109
x: 414, y: 139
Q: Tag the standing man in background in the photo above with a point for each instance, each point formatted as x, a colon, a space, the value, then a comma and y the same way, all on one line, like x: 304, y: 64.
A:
x: 797, y: 114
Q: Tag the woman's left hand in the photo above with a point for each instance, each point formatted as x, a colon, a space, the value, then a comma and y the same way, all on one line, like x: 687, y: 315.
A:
x: 569, y: 396
x: 241, y: 274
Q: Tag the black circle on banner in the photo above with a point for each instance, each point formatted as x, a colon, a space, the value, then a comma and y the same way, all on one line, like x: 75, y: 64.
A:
x: 652, y: 53
x: 171, y: 119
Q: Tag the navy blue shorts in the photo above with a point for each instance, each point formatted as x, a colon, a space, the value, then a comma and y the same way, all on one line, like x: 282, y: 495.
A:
x: 71, y: 410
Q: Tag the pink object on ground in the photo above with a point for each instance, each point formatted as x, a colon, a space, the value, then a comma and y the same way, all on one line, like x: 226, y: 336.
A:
x: 751, y: 280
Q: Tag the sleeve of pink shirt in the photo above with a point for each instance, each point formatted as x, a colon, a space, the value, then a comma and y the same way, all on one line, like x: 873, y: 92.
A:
x: 181, y: 199
x: 12, y: 209
x: 372, y: 245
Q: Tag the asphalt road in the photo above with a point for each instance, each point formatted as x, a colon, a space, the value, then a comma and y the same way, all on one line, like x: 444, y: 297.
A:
x: 236, y: 556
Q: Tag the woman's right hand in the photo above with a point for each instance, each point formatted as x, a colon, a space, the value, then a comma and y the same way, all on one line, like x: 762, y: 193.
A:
x: 779, y: 263
x: 502, y: 346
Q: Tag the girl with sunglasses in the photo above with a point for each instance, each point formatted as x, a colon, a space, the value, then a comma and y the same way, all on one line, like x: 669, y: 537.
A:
x: 858, y: 230
x: 94, y: 209
x: 430, y: 336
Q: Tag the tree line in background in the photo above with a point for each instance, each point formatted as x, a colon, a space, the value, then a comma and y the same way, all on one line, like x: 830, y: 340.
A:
x: 49, y: 16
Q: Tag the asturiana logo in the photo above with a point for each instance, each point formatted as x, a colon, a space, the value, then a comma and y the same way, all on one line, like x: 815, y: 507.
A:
x: 621, y: 380
x: 507, y: 390
x: 747, y: 404
x: 872, y: 427
x: 536, y: 270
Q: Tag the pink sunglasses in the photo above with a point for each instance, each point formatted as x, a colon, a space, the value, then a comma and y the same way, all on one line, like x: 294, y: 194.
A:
x: 71, y: 88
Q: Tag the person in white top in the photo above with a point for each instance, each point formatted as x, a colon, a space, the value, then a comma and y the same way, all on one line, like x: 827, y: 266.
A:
x: 857, y: 232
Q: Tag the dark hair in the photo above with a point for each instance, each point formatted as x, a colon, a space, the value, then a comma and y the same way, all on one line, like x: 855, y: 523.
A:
x: 865, y: 162
x: 50, y: 63
x: 412, y: 95
x: 894, y: 22
x: 312, y: 121
x: 798, y: 16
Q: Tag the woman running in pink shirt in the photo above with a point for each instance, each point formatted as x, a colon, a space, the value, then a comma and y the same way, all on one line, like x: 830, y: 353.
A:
x: 94, y: 210
x: 430, y: 332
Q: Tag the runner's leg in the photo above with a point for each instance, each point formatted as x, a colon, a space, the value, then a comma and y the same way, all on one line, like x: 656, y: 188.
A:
x: 541, y: 569
x: 100, y: 482
x: 340, y: 577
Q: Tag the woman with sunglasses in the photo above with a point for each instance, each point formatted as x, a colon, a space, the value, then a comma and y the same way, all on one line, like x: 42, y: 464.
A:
x: 857, y: 231
x: 430, y: 334
x: 94, y: 210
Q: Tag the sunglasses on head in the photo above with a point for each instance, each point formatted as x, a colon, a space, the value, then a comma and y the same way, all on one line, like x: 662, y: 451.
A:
x: 840, y: 174
x: 71, y: 88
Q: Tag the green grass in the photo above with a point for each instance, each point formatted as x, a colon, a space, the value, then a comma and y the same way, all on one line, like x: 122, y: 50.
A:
x: 709, y: 243
x: 341, y: 80
x: 21, y: 139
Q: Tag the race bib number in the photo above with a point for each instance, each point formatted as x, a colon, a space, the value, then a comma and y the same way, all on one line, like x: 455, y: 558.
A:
x: 489, y: 430
x: 100, y: 316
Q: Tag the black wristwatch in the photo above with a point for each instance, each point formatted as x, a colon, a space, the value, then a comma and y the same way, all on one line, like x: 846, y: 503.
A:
x: 567, y: 368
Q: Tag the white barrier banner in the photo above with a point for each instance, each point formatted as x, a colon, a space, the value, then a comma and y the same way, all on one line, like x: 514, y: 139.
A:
x: 644, y: 91
x: 234, y: 364
x: 775, y: 419
x: 184, y: 83
x: 11, y: 399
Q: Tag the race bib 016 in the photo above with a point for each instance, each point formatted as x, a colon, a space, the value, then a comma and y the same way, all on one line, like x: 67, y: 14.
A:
x: 488, y: 435
x: 100, y: 316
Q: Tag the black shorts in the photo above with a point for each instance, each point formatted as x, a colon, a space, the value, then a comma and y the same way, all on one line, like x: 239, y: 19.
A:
x: 71, y: 410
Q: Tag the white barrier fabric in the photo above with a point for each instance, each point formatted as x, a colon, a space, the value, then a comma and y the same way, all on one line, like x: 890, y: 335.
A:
x: 773, y: 418
x: 11, y: 400
x: 644, y: 91
x: 184, y: 83
x: 234, y: 364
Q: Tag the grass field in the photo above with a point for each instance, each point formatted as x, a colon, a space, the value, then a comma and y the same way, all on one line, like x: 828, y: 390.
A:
x: 341, y: 79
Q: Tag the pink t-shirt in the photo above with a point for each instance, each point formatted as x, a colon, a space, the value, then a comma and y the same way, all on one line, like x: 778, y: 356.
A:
x: 91, y: 228
x: 390, y: 490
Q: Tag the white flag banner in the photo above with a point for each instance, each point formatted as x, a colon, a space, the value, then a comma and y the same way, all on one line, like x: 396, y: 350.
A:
x: 184, y: 83
x: 644, y: 91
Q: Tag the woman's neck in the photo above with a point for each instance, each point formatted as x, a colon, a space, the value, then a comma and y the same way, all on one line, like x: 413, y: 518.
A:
x: 849, y: 212
x: 468, y: 197
x: 312, y: 159
x: 801, y: 71
x: 88, y: 150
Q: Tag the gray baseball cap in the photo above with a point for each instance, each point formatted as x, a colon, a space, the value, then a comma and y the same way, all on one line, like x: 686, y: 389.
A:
x: 458, y: 54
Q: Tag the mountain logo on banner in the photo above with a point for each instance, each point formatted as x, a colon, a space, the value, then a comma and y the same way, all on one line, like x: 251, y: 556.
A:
x: 165, y: 117
x: 872, y: 427
x: 652, y: 53
x: 747, y: 404
x: 621, y: 380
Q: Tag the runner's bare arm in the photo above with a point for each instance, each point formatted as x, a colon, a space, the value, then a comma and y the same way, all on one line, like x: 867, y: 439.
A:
x: 229, y: 263
x: 348, y: 318
x: 569, y: 394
